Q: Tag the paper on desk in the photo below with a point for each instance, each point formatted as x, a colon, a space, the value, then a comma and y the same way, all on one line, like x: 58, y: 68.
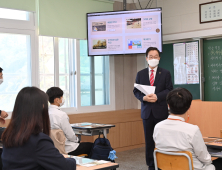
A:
x: 145, y: 88
x: 89, y: 165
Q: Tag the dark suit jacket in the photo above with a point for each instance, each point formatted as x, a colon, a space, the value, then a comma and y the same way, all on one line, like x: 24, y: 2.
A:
x: 38, y: 153
x: 163, y: 85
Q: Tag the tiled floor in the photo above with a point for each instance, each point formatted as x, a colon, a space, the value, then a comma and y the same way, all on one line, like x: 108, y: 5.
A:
x: 132, y: 159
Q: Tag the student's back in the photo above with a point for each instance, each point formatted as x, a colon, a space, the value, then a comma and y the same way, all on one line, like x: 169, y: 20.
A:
x: 177, y: 135
x: 38, y: 153
x: 174, y: 134
x: 26, y: 141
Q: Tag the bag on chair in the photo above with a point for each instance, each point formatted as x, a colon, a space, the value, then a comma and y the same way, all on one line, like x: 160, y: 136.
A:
x: 101, y: 149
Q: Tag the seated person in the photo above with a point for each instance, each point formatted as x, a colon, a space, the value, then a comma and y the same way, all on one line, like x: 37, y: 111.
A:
x: 60, y: 120
x: 26, y: 141
x: 174, y: 134
x: 3, y: 114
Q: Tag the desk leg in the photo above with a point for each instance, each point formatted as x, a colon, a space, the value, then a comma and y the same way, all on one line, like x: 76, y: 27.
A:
x: 79, y: 136
x: 105, y: 132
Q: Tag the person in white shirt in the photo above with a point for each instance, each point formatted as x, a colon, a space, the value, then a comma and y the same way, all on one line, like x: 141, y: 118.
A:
x: 60, y: 120
x: 175, y: 134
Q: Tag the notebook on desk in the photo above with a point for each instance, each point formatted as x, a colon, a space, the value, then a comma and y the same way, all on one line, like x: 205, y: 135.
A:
x: 82, y: 161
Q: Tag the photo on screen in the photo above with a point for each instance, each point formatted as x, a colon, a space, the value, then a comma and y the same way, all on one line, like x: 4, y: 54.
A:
x: 134, y: 44
x: 133, y: 23
x: 99, y: 44
x: 99, y: 26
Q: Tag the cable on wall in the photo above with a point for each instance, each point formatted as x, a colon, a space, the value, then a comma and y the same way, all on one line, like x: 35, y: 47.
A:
x: 140, y: 4
x: 147, y: 4
x: 151, y: 3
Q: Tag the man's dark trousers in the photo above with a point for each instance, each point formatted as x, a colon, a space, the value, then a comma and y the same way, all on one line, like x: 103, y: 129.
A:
x: 148, y: 125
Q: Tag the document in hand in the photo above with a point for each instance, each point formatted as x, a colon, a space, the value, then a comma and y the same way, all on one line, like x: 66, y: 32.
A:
x: 145, y: 88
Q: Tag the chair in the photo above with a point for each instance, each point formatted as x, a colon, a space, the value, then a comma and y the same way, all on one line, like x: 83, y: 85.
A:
x: 173, y: 160
x: 58, y: 139
x: 220, y: 133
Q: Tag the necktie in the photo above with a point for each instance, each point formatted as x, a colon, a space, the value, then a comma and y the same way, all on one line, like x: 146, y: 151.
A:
x: 152, y: 78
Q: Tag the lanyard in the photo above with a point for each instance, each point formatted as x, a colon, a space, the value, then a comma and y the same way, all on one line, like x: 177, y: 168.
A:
x: 180, y: 120
x: 175, y: 119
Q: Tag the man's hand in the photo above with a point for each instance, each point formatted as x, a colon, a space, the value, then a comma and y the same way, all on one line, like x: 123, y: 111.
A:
x: 152, y: 98
x: 4, y: 114
x: 66, y: 156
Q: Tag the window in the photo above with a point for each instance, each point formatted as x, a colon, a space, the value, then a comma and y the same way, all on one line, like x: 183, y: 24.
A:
x: 94, y: 78
x: 46, y: 62
x: 14, y: 14
x: 62, y: 62
x: 66, y: 67
x: 16, y: 54
x: 56, y: 66
x: 15, y: 61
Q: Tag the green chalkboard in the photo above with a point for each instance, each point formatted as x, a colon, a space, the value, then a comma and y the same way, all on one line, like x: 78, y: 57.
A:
x: 166, y: 62
x: 212, y: 58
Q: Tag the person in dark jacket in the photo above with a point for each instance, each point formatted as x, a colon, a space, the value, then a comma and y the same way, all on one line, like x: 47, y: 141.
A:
x: 153, y: 106
x: 26, y: 141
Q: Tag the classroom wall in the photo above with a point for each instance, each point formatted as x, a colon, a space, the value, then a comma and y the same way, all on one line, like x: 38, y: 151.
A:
x: 181, y: 20
x: 207, y: 116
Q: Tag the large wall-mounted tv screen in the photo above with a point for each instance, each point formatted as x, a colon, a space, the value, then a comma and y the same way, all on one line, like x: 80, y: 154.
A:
x: 124, y: 32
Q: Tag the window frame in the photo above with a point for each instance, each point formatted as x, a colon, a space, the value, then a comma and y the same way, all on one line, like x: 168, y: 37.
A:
x: 20, y: 24
x: 94, y: 108
x: 29, y: 27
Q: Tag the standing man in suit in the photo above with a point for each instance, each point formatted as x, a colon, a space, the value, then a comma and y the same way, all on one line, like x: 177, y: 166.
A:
x: 153, y: 106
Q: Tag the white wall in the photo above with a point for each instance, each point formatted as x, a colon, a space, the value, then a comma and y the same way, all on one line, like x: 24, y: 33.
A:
x: 181, y: 20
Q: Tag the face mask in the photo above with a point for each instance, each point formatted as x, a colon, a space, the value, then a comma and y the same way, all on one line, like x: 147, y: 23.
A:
x: 63, y: 101
x: 153, y: 62
x: 1, y: 81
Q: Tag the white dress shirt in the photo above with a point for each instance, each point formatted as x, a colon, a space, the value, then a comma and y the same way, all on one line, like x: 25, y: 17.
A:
x: 154, y: 72
x: 60, y: 120
x: 177, y: 135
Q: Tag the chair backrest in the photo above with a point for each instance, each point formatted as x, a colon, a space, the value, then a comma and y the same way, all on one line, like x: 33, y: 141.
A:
x: 58, y: 139
x: 173, y: 160
x: 220, y: 133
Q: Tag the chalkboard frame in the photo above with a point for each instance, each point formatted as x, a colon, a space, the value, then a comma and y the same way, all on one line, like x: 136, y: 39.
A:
x: 199, y: 60
x: 166, y: 62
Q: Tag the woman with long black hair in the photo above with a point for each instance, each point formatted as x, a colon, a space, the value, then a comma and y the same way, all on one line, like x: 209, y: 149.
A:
x: 26, y: 141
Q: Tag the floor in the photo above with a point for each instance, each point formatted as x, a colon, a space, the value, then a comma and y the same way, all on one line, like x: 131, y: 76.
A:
x: 132, y: 159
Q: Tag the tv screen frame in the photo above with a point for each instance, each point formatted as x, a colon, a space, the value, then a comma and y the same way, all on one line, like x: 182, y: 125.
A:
x: 106, y: 54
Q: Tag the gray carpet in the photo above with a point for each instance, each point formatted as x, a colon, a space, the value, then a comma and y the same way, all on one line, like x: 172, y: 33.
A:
x: 132, y: 160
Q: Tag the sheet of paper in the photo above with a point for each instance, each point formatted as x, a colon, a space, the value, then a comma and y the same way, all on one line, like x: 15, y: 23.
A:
x: 192, y: 63
x: 179, y: 63
x: 103, y: 162
x: 88, y: 165
x: 145, y: 89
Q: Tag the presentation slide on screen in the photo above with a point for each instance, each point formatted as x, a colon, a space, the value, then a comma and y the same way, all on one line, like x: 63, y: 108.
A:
x: 124, y: 32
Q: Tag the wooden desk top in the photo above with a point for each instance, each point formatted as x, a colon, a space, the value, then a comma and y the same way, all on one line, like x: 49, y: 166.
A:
x: 99, y: 167
x: 213, y: 142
